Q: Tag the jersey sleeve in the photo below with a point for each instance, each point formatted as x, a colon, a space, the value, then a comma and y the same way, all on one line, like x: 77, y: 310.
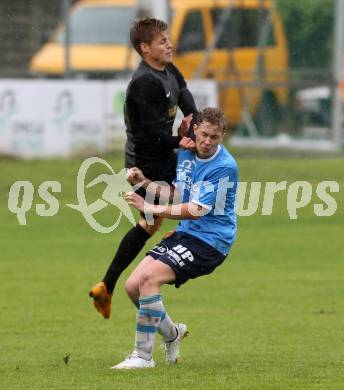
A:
x: 212, y: 191
x: 144, y: 107
x: 179, y: 76
x: 186, y: 101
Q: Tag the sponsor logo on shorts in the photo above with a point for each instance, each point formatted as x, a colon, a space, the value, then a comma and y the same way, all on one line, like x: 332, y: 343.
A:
x: 160, y: 249
x: 179, y: 254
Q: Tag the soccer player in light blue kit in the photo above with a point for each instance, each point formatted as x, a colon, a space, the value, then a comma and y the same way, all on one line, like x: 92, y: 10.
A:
x: 206, y: 183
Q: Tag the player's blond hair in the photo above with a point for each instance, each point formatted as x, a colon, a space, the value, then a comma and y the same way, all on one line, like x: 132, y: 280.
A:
x: 212, y: 115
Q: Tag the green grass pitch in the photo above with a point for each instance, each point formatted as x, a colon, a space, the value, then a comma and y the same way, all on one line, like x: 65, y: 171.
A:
x: 271, y: 317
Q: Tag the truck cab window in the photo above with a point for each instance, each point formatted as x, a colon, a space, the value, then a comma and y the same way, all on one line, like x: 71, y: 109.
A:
x: 242, y: 29
x: 99, y: 26
x: 192, y: 37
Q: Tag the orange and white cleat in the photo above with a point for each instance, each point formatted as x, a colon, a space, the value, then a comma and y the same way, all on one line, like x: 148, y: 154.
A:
x: 101, y: 299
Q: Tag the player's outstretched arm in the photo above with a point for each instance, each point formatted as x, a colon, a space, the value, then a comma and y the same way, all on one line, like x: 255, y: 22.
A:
x: 178, y: 211
x: 165, y: 192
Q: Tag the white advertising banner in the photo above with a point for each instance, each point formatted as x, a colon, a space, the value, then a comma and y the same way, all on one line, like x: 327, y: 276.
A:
x: 60, y: 118
x: 205, y: 93
x: 51, y: 118
x: 114, y: 120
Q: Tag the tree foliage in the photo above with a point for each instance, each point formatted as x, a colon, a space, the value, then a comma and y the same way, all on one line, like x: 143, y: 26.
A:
x: 309, y: 25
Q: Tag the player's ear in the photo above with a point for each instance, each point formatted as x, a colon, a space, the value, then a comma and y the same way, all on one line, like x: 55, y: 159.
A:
x: 144, y: 48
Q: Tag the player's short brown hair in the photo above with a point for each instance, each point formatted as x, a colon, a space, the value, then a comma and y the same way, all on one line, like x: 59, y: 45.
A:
x: 144, y: 30
x: 212, y: 115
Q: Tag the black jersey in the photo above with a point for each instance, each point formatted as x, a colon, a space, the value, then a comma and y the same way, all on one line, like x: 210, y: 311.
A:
x: 150, y: 108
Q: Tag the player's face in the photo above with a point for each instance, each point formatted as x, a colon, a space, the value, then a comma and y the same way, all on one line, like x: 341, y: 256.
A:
x: 208, y: 138
x: 159, y: 53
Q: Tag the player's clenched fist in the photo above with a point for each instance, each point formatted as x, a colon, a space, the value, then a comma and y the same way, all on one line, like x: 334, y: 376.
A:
x: 188, y: 143
x: 133, y: 199
x: 135, y: 176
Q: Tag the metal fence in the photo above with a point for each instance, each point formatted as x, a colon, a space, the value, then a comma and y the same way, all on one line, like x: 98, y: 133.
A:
x: 278, y: 67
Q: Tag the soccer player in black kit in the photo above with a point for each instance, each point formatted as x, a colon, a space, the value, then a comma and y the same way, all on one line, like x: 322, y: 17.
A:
x: 155, y: 91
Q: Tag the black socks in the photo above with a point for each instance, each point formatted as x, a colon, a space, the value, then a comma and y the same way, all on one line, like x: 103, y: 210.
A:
x: 128, y: 249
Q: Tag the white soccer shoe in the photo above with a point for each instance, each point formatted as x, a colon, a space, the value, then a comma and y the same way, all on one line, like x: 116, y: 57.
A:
x: 172, y: 347
x: 133, y: 361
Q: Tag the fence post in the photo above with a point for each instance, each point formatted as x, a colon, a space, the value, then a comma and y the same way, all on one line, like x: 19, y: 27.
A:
x: 337, y: 106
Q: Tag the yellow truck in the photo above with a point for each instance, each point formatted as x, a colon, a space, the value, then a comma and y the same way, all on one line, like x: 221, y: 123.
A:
x: 239, y: 43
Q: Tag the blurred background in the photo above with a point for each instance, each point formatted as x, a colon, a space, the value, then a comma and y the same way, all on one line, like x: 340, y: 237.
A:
x: 272, y: 317
x: 273, y: 66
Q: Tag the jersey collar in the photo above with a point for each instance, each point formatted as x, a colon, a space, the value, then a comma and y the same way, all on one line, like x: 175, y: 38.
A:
x: 209, y: 158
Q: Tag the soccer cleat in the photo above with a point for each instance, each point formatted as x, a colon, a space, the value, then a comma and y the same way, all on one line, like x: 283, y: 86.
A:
x: 172, y: 347
x: 133, y: 361
x: 101, y: 299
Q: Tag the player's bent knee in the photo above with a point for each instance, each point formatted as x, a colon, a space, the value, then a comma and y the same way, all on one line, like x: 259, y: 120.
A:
x: 131, y: 287
x: 147, y: 278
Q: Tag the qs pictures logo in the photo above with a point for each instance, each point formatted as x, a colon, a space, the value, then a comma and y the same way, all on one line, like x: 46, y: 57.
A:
x: 22, y: 193
x: 116, y: 184
x: 249, y: 197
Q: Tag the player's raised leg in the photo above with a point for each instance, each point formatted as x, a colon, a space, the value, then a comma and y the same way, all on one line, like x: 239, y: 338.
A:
x: 129, y: 248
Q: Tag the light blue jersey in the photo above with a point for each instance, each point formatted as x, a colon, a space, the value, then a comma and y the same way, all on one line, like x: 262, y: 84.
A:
x: 212, y: 184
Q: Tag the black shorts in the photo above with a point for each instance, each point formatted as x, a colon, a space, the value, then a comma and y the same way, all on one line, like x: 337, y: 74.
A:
x: 162, y: 172
x: 188, y: 256
x: 142, y: 192
x: 162, y: 169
